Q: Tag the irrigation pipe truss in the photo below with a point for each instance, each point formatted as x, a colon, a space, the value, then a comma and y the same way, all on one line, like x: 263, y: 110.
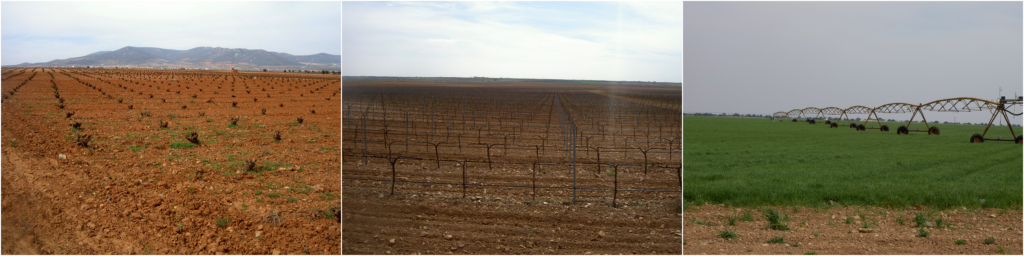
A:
x: 959, y: 104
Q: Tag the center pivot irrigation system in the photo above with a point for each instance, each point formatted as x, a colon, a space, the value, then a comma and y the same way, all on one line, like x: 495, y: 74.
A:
x: 961, y: 104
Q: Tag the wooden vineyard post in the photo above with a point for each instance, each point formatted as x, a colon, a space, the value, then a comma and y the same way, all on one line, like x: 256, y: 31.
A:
x: 573, y: 155
x: 615, y: 194
x: 489, y: 154
x: 645, y: 158
x: 393, y: 161
x: 670, y: 146
x: 479, y: 130
x: 464, y: 178
x: 679, y: 173
x: 586, y: 145
x: 534, y: 181
x: 504, y: 147
x: 542, y: 140
x: 437, y: 156
x: 406, y: 131
x: 366, y: 161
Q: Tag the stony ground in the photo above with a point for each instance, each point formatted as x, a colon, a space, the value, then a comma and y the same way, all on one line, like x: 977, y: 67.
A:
x: 415, y: 221
x: 133, y: 189
x: 853, y: 230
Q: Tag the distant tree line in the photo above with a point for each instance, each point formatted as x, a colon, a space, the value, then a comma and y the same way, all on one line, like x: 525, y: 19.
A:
x: 858, y: 119
x: 308, y: 71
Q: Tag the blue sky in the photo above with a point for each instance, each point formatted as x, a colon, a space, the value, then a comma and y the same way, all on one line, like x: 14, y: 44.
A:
x: 43, y: 31
x: 763, y: 57
x: 633, y: 41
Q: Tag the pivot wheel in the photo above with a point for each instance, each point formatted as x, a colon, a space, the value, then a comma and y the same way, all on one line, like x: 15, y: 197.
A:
x: 794, y: 120
x: 860, y: 127
x: 835, y: 125
x: 810, y: 121
x: 902, y: 130
x: 853, y: 125
x: 884, y: 128
x: 933, y: 130
x: 976, y: 138
x: 1019, y: 139
x: 828, y: 122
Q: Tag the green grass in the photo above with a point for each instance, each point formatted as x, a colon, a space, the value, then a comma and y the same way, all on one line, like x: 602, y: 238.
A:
x: 776, y: 240
x: 747, y: 216
x: 775, y: 219
x: 923, y: 233
x: 756, y: 162
x: 135, y: 148
x: 327, y: 214
x: 920, y: 219
x: 181, y: 144
x: 990, y: 240
x: 221, y: 222
x: 700, y: 222
x: 960, y: 242
x: 732, y: 220
x: 327, y: 196
x: 728, y: 234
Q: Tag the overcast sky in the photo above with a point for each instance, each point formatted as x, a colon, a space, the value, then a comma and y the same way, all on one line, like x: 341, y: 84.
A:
x: 763, y: 57
x: 43, y: 31
x: 633, y: 41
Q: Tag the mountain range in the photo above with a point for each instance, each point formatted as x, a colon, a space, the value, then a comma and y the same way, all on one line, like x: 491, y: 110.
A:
x: 199, y: 57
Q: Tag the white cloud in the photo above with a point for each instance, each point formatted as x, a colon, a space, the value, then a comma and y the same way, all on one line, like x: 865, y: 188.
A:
x: 505, y: 40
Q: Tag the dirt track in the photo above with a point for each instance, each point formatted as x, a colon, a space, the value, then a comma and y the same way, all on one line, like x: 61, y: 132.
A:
x: 825, y: 231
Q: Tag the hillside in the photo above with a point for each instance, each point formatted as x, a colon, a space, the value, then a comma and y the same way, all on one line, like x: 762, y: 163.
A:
x: 199, y: 58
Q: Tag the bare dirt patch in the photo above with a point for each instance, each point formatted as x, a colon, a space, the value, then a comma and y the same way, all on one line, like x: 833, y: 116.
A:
x: 503, y: 141
x: 827, y: 231
x: 491, y: 223
x: 135, y: 187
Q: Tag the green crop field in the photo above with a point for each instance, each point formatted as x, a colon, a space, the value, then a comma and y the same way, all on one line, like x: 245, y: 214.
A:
x: 757, y: 162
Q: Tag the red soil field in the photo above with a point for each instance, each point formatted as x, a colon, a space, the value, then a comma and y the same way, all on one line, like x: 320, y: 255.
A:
x: 135, y: 187
x: 826, y: 231
x: 438, y: 136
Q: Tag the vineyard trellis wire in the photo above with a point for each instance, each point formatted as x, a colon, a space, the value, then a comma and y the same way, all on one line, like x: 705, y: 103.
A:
x: 463, y: 163
x: 514, y: 125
